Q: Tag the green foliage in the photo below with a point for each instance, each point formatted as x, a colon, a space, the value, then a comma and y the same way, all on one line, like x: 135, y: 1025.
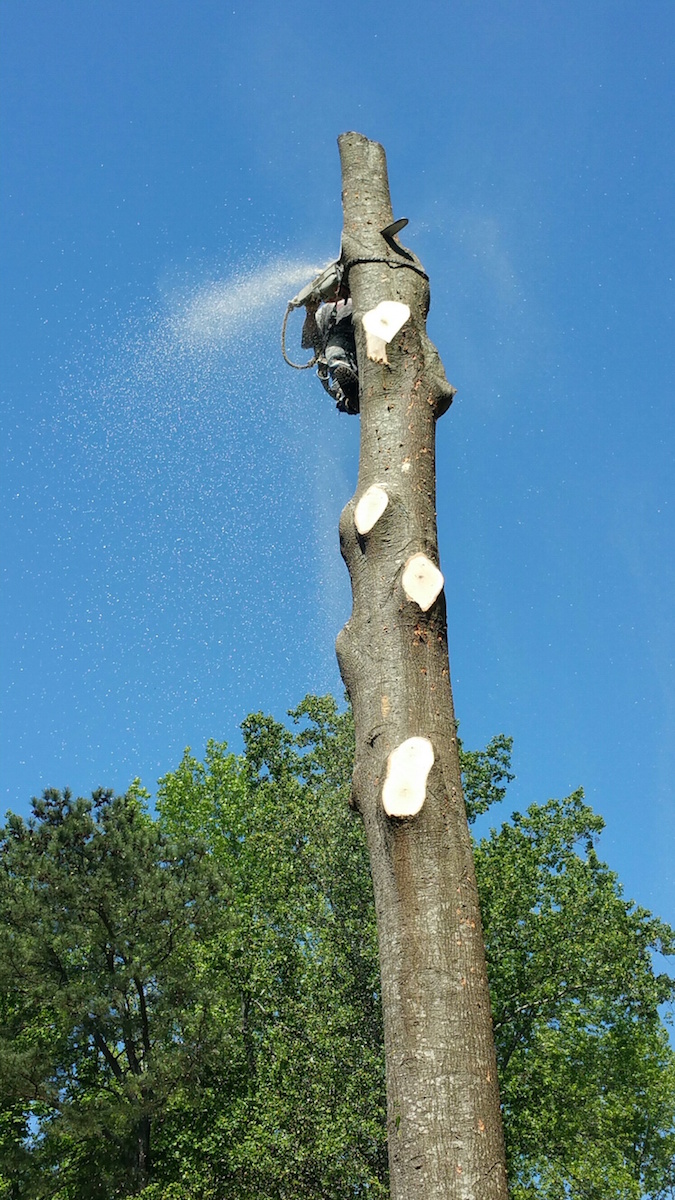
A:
x: 587, y: 1074
x: 245, y: 911
x: 301, y: 954
x: 485, y: 774
x: 106, y: 997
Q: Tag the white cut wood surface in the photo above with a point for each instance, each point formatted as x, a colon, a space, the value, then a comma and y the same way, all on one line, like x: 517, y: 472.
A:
x: 376, y: 348
x: 370, y: 508
x: 405, y: 787
x: 385, y: 320
x: 422, y: 581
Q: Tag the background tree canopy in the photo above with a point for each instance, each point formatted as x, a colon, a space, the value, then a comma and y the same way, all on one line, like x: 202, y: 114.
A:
x: 189, y: 1002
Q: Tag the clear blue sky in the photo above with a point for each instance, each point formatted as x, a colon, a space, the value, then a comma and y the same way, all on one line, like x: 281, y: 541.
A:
x: 171, y: 491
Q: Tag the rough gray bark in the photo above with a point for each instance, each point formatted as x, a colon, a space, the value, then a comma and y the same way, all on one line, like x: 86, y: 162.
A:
x: 444, y: 1123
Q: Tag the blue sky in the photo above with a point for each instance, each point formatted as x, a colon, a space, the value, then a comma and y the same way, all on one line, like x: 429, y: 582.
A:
x: 171, y: 491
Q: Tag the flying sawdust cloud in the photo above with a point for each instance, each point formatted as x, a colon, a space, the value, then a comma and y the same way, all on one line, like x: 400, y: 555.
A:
x: 209, y: 482
x: 217, y: 311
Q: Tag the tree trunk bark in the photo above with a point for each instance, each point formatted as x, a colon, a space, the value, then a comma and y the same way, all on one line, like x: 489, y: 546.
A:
x: 444, y: 1123
x: 143, y: 1153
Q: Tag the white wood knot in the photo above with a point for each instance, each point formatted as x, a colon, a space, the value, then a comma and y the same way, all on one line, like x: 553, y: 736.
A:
x: 381, y: 324
x: 422, y: 581
x: 405, y: 787
x: 370, y: 508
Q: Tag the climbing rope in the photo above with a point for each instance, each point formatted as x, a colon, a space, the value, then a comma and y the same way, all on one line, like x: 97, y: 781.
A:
x: 297, y: 366
x: 332, y: 322
x: 395, y: 266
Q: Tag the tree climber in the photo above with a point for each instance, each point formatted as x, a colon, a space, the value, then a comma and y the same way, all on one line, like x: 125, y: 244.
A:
x: 329, y: 331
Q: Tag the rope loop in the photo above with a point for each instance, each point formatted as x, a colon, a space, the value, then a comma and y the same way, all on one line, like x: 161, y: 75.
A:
x: 297, y: 366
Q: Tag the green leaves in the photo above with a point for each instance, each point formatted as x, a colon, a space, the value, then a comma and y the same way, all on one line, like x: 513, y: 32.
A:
x: 189, y: 1004
x: 301, y: 954
x: 100, y: 978
x: 586, y: 1071
x: 485, y: 774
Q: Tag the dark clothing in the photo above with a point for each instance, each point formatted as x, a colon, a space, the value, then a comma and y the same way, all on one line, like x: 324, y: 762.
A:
x: 331, y: 332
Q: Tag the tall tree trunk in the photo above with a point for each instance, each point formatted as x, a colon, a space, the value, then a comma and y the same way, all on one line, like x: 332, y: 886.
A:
x: 444, y: 1123
x: 142, y: 1166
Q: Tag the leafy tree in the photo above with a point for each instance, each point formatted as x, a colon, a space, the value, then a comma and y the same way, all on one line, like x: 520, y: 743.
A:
x: 587, y: 1073
x: 586, y: 1069
x: 246, y: 910
x: 106, y: 993
x: 302, y: 954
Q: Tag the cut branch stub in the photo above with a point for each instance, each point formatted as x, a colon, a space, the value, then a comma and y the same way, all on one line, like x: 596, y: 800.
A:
x: 405, y: 787
x: 385, y: 320
x: 381, y: 324
x: 370, y: 508
x: 422, y: 581
x: 376, y: 348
